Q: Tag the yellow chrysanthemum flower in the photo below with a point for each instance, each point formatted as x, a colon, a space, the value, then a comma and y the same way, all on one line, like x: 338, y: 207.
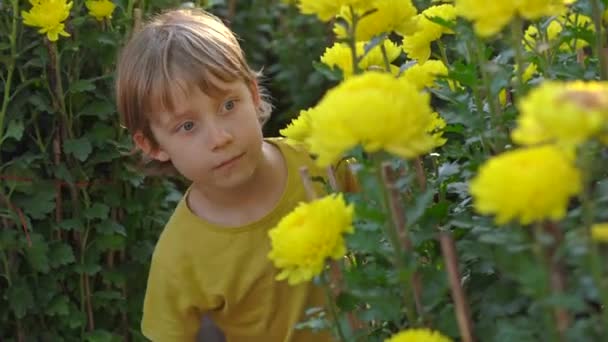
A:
x: 48, y: 15
x: 375, y: 110
x: 435, y: 129
x: 599, y: 232
x: 308, y: 236
x: 339, y: 55
x: 530, y: 71
x: 418, y: 335
x: 100, y: 9
x: 418, y: 45
x: 327, y: 9
x: 532, y: 41
x: 490, y: 17
x: 388, y: 16
x: 564, y: 113
x: 298, y: 130
x: 527, y: 185
x: 424, y: 75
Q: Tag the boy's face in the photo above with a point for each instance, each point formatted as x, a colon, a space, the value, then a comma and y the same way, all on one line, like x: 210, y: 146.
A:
x: 214, y: 141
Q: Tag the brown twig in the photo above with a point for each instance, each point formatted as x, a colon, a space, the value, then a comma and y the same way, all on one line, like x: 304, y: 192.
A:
x: 557, y: 276
x: 463, y: 312
x: 399, y: 218
x: 420, y: 176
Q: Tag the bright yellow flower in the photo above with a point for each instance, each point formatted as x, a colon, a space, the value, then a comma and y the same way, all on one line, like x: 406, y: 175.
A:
x: 490, y: 17
x: 327, y: 9
x: 48, y: 15
x: 599, y: 232
x: 528, y: 185
x: 564, y: 113
x: 100, y: 9
x: 298, y: 130
x: 308, y: 236
x: 339, y: 55
x: 435, y: 129
x: 389, y: 16
x: 418, y: 335
x: 418, y: 44
x: 424, y: 75
x: 375, y: 110
x: 532, y: 41
x: 530, y: 71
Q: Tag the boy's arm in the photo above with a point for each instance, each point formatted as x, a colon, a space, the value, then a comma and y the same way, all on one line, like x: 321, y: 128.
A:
x: 171, y: 312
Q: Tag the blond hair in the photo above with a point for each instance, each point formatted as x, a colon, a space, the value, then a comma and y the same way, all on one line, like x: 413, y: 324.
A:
x: 179, y: 48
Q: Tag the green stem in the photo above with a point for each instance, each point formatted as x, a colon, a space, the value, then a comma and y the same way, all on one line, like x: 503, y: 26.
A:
x: 599, y: 38
x: 588, y: 206
x: 538, y: 250
x: 10, y: 67
x: 352, y: 40
x: 7, y: 270
x: 516, y: 33
x: 333, y: 310
x: 479, y: 104
x: 387, y: 63
x: 58, y: 89
x: 443, y: 52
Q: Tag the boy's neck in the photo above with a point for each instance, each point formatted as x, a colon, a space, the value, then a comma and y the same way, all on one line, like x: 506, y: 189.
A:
x: 249, y: 202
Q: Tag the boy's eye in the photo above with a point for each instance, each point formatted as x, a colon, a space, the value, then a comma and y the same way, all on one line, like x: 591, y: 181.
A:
x: 229, y: 105
x: 187, y: 126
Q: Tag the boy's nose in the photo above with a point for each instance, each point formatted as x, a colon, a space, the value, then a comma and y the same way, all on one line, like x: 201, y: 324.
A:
x: 218, y: 137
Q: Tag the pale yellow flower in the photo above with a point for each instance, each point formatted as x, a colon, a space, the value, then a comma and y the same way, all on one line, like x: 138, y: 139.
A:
x: 339, y: 56
x: 375, y: 110
x: 49, y: 16
x: 527, y: 185
x: 298, y: 130
x: 100, y: 9
x: 490, y: 17
x: 418, y: 335
x: 533, y: 41
x: 599, y: 232
x: 327, y: 9
x: 418, y: 45
x: 567, y: 113
x: 424, y: 75
x: 312, y: 233
x: 389, y: 16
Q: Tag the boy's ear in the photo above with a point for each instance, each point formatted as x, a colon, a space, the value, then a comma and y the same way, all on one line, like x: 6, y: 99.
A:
x: 255, y: 92
x: 146, y: 146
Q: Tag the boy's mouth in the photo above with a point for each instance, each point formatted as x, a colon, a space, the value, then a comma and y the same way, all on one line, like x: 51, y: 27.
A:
x: 229, y: 161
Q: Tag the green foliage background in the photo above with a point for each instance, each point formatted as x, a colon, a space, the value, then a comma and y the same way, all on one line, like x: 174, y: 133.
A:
x: 78, y: 220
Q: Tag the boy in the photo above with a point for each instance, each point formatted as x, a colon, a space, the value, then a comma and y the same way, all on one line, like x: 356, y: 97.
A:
x: 190, y: 100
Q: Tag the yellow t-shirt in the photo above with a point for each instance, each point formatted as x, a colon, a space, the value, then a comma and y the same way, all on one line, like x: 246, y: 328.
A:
x: 199, y: 267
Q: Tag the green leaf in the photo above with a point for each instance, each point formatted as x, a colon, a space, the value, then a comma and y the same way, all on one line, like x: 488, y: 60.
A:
x: 80, y: 148
x: 99, y: 336
x: 59, y: 306
x: 20, y: 298
x: 61, y: 254
x: 101, y: 109
x: 111, y: 227
x: 71, y: 224
x: 97, y: 211
x: 40, y: 203
x: 14, y: 130
x: 37, y: 254
x: 81, y: 86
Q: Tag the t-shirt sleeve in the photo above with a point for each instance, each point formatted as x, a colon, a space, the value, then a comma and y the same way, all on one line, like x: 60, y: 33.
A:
x: 171, y: 310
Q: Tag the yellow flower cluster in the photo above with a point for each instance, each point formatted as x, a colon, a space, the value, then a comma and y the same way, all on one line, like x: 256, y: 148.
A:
x: 527, y: 75
x: 387, y: 16
x: 528, y: 185
x: 418, y: 335
x: 48, y: 15
x: 100, y: 9
x: 532, y: 39
x: 566, y: 113
x: 599, y: 232
x: 490, y: 17
x: 339, y: 56
x: 418, y: 45
x: 424, y: 75
x: 309, y: 235
x: 375, y: 110
x: 328, y: 9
